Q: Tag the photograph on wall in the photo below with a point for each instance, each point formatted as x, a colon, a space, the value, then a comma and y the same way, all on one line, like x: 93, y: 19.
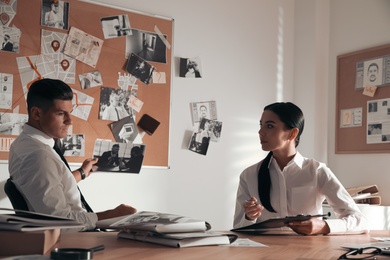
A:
x: 146, y: 45
x: 373, y: 72
x: 124, y: 130
x: 140, y: 69
x: 378, y: 121
x: 114, y: 104
x: 211, y: 128
x: 115, y: 26
x: 90, y: 79
x: 55, y: 14
x: 199, y: 142
x: 73, y: 145
x: 205, y: 109
x: 10, y: 38
x: 118, y: 157
x: 190, y: 68
x: 12, y: 123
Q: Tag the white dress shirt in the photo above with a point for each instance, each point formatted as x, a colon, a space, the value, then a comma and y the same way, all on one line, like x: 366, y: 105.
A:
x: 43, y: 178
x: 301, y: 188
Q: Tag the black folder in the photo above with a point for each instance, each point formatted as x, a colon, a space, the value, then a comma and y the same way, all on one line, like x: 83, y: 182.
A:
x: 277, y: 222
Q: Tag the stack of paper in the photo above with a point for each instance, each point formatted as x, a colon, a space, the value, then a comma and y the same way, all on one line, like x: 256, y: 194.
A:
x: 166, y: 229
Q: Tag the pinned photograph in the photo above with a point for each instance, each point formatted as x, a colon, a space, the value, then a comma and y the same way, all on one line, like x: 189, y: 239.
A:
x: 73, y: 145
x: 373, y: 72
x: 140, y: 69
x: 114, y: 104
x: 54, y: 14
x: 146, y: 45
x: 115, y: 26
x: 190, y: 68
x: 90, y: 79
x: 118, y: 157
x: 199, y: 142
x: 200, y: 110
x: 124, y: 130
x: 211, y: 128
x: 10, y: 38
x: 12, y: 123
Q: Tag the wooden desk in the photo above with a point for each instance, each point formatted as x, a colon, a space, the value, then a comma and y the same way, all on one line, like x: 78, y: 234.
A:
x: 282, y: 246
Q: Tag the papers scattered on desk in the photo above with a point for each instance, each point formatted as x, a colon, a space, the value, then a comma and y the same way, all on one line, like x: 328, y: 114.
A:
x: 156, y: 222
x: 180, y: 240
x: 32, y: 221
x: 246, y: 242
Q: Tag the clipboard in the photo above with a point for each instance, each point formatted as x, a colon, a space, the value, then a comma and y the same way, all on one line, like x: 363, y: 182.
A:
x: 277, y: 222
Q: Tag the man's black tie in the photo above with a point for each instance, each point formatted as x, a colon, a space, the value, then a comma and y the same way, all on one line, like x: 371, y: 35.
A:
x: 58, y: 150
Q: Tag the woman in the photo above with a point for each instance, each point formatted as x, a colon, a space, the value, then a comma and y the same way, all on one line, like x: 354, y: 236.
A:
x: 286, y: 184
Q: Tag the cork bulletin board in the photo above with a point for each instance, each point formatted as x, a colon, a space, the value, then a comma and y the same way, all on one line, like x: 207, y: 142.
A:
x: 363, y: 101
x: 155, y: 33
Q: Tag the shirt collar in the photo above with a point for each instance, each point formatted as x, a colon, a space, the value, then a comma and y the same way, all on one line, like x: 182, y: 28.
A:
x: 297, y: 160
x: 38, y: 134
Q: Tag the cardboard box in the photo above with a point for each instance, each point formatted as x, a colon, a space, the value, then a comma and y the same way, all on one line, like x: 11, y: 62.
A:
x: 25, y: 243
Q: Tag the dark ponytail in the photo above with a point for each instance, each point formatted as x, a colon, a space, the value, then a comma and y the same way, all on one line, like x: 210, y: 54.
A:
x: 264, y: 184
x: 292, y: 117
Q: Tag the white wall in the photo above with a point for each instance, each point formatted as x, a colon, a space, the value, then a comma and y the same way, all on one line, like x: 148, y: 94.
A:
x: 253, y: 52
x: 356, y: 25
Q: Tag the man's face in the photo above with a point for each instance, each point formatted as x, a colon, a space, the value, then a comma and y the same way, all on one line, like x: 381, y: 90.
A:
x: 56, y: 121
x: 203, y: 112
x: 115, y: 100
x: 115, y: 149
x: 55, y: 8
x: 372, y: 73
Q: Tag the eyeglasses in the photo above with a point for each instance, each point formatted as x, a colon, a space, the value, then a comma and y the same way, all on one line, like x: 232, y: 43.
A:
x: 362, y: 253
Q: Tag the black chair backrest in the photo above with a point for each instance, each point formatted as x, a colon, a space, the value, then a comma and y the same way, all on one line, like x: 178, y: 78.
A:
x: 14, y: 195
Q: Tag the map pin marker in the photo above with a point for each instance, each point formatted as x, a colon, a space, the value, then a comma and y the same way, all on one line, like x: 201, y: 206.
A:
x: 4, y: 18
x: 65, y: 64
x: 55, y: 45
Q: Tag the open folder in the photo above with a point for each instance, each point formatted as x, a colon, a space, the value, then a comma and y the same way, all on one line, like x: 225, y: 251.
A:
x: 277, y: 222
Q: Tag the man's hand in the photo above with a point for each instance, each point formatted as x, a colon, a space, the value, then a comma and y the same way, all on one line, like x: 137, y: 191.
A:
x: 121, y: 210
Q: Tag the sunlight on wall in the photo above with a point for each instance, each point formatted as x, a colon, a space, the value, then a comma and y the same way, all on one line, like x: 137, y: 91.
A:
x: 279, y: 65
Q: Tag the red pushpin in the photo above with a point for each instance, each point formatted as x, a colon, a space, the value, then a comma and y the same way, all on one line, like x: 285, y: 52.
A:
x: 65, y: 64
x: 55, y: 45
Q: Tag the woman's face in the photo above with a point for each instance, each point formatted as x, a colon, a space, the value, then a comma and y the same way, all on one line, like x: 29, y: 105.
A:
x: 273, y: 133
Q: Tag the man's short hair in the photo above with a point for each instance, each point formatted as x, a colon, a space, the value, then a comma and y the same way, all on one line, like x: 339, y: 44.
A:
x: 42, y: 93
x: 7, y: 35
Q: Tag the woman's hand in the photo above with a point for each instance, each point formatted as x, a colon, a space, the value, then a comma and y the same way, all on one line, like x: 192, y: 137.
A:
x: 252, y: 209
x: 312, y: 226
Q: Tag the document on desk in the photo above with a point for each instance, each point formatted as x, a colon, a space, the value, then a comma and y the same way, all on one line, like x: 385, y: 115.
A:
x: 180, y: 240
x: 277, y: 223
x: 245, y: 242
x: 156, y: 222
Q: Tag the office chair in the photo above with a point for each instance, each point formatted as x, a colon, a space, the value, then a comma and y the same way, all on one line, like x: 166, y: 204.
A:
x: 14, y: 195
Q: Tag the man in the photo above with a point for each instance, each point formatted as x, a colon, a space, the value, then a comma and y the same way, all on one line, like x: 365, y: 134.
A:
x: 7, y: 44
x: 38, y: 171
x: 109, y: 159
x: 115, y: 111
x: 53, y: 17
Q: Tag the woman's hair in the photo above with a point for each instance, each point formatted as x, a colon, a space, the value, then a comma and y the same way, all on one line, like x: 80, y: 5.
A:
x: 42, y: 93
x: 292, y: 117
